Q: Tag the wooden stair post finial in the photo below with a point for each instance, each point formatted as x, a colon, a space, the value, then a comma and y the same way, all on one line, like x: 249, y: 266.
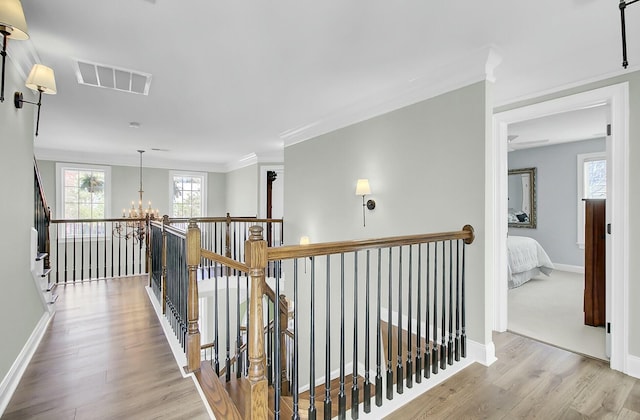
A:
x: 193, y: 333
x: 256, y: 259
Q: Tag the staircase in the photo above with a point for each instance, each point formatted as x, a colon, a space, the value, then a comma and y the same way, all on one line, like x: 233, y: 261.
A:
x: 41, y: 275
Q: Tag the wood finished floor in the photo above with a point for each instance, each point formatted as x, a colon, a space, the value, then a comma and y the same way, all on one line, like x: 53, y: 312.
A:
x: 530, y: 380
x: 105, y: 356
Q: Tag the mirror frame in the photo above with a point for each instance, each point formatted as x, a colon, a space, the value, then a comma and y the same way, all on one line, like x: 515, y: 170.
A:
x: 532, y: 223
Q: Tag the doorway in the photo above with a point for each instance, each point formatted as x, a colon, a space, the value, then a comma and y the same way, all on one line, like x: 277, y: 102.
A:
x: 616, y: 96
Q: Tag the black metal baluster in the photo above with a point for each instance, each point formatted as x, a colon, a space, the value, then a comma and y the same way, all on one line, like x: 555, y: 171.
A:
x: 457, y: 341
x: 434, y: 346
x: 227, y: 360
x: 216, y: 327
x: 75, y: 233
x: 126, y: 253
x: 82, y: 258
x: 427, y: 345
x: 112, y: 254
x: 450, y: 344
x: 379, y: 334
x: 276, y: 364
x: 327, y: 354
x: 57, y: 253
x: 418, y: 319
x: 104, y: 248
x: 238, y: 337
x: 342, y: 397
x: 66, y: 248
x: 269, y: 360
x: 312, y: 334
x: 355, y: 392
x: 463, y: 344
x: 296, y: 333
x: 389, y: 332
x: 443, y: 327
x: 399, y: 367
x: 367, y: 333
x: 246, y: 352
x: 409, y: 374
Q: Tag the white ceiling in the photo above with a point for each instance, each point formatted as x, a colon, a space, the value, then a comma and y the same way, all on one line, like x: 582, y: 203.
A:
x: 576, y: 125
x: 230, y: 79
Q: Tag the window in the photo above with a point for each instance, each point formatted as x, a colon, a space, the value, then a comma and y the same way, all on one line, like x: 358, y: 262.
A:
x: 592, y: 183
x: 188, y: 194
x: 83, y: 193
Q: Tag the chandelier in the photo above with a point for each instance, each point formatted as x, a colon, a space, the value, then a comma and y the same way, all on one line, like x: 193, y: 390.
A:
x: 135, y: 228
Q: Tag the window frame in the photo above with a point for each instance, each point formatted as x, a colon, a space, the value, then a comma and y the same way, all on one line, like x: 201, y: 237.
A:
x: 203, y: 198
x: 61, y: 167
x: 583, y: 158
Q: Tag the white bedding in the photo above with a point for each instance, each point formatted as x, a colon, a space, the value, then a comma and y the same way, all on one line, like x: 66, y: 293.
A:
x: 527, y: 259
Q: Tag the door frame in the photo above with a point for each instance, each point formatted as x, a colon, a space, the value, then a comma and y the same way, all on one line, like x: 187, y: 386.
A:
x: 617, y: 97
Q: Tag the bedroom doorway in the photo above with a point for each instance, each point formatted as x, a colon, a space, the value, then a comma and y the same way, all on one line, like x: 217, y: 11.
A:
x: 616, y: 96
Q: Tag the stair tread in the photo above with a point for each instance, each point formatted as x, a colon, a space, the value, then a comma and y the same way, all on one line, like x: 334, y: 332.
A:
x: 219, y: 400
x: 53, y: 300
x: 50, y: 287
x: 46, y: 272
x: 41, y: 256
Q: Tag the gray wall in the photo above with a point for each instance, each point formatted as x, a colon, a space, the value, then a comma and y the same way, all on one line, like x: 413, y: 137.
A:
x: 557, y: 195
x: 633, y: 79
x: 125, y: 184
x: 20, y: 306
x: 427, y: 174
x: 242, y: 191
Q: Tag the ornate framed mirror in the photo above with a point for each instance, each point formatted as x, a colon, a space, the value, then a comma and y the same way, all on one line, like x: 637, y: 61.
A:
x: 522, y: 198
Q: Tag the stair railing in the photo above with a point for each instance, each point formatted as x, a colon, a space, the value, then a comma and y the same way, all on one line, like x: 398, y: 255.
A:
x: 401, y: 299
x: 41, y: 216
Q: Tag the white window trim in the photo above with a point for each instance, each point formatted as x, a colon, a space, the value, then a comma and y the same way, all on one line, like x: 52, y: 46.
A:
x: 202, y: 175
x: 582, y: 158
x: 60, y: 167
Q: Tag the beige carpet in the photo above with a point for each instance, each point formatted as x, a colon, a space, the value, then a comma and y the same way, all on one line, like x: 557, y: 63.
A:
x: 549, y: 309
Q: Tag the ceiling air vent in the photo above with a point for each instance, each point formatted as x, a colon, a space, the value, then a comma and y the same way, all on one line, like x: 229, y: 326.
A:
x: 109, y: 77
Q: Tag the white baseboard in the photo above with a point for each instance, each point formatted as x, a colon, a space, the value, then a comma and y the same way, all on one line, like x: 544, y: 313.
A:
x: 569, y: 268
x: 633, y: 366
x: 176, y: 348
x: 12, y: 378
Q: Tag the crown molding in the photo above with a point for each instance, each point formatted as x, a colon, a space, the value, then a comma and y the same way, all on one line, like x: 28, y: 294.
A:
x: 476, y: 66
x: 150, y: 161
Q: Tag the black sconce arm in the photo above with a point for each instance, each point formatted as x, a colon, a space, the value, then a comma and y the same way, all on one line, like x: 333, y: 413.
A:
x: 623, y: 5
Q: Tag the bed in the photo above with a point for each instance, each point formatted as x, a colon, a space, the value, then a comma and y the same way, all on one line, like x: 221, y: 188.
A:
x: 527, y: 259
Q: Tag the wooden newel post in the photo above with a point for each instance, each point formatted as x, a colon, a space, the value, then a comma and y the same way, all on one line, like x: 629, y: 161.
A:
x: 255, y: 251
x: 193, y: 333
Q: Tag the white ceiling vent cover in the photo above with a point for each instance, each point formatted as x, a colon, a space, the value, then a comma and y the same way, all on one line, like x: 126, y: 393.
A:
x: 109, y: 77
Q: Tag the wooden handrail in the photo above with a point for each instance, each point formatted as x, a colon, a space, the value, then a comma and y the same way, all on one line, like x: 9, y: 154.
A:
x: 268, y: 291
x: 313, y: 250
x: 229, y: 262
x: 111, y: 219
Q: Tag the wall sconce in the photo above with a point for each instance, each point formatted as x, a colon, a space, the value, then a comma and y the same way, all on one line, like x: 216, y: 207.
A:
x: 363, y: 188
x: 42, y: 80
x: 12, y: 25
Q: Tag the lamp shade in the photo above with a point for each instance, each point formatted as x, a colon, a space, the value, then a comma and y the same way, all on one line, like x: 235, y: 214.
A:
x: 41, y: 78
x: 363, y: 188
x: 12, y: 18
